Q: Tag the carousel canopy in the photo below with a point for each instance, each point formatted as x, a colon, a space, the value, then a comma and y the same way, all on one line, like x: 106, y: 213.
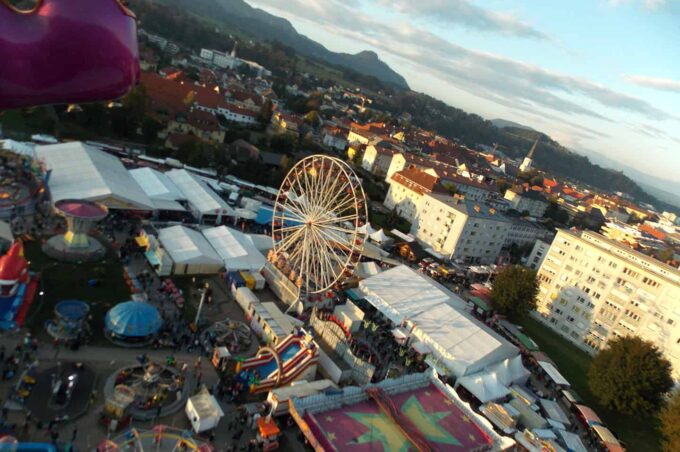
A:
x: 72, y: 309
x: 133, y: 319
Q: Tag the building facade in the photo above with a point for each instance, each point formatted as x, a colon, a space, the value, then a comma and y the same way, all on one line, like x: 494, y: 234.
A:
x: 537, y: 255
x: 406, y: 190
x: 530, y: 201
x: 593, y: 289
x: 461, y: 229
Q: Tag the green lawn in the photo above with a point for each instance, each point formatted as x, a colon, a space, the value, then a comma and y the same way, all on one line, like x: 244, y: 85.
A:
x: 62, y: 281
x: 639, y: 433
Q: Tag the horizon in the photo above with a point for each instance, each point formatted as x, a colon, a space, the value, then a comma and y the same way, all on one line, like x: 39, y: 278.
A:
x: 558, y: 75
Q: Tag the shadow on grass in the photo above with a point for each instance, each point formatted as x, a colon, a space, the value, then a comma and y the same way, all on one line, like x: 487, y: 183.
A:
x: 637, y: 432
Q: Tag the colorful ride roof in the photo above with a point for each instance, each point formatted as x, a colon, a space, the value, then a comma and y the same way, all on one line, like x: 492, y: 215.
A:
x: 133, y: 319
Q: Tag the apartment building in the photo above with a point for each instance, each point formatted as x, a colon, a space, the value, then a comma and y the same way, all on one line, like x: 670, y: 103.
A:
x: 461, y: 229
x: 407, y: 188
x: 593, y: 289
x: 530, y: 201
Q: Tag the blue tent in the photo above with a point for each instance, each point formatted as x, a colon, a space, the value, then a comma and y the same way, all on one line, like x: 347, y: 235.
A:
x: 133, y: 319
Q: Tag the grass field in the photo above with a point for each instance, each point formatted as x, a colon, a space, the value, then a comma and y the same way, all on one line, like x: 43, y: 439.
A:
x: 638, y: 433
x: 62, y: 281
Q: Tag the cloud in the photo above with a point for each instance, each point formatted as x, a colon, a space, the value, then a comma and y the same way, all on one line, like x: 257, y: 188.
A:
x: 663, y: 84
x: 465, y: 14
x: 647, y: 4
x: 502, y: 80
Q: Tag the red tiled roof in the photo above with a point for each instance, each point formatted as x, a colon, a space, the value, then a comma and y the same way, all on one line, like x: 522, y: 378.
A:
x: 416, y: 180
x: 653, y: 232
x: 178, y: 139
x: 166, y: 94
x: 203, y: 120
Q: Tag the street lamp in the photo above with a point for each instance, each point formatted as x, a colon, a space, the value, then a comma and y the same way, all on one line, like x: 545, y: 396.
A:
x: 200, y: 304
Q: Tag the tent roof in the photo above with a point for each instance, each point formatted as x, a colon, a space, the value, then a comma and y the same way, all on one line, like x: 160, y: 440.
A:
x: 198, y: 193
x: 156, y: 184
x: 80, y: 171
x: 186, y: 246
x: 554, y: 374
x: 379, y: 236
x: 133, y: 319
x: 554, y: 411
x: 235, y: 248
x: 205, y: 406
x: 18, y: 147
x: 589, y: 415
x: 440, y: 317
x: 261, y: 241
x: 485, y: 387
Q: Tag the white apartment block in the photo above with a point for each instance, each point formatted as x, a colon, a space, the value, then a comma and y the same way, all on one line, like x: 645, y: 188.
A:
x: 537, y: 255
x: 593, y: 289
x: 406, y: 190
x: 461, y: 229
x: 523, y: 232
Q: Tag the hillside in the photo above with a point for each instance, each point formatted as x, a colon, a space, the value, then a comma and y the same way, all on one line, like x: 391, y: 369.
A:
x: 503, y: 123
x: 259, y: 24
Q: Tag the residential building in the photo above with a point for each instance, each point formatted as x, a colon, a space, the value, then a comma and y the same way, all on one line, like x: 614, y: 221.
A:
x: 196, y: 122
x: 237, y: 114
x: 461, y: 229
x: 377, y: 158
x: 284, y: 122
x: 524, y: 232
x: 334, y: 138
x: 529, y: 201
x: 593, y: 289
x: 472, y: 189
x: 407, y: 188
x: 537, y: 255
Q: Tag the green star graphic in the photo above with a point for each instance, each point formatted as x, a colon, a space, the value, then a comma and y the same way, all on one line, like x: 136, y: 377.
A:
x: 382, y: 429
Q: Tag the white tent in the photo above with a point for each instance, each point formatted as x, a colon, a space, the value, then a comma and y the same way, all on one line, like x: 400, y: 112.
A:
x: 80, y: 171
x: 18, y: 147
x: 458, y: 341
x: 554, y: 374
x: 235, y: 248
x: 367, y: 269
x: 202, y: 199
x: 380, y: 237
x: 190, y: 252
x: 156, y: 184
x: 511, y: 371
x: 485, y: 387
x: 203, y: 411
x: 262, y: 242
x: 367, y: 229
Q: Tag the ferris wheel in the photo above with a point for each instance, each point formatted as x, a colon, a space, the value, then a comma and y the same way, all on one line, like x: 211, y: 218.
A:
x: 319, y: 213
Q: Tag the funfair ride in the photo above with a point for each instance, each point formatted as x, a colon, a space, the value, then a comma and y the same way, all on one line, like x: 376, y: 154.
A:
x: 317, y: 226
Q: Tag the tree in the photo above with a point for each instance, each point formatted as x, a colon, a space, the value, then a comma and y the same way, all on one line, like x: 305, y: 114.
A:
x: 150, y: 129
x: 514, y: 291
x: 265, y: 114
x: 631, y: 375
x: 450, y: 188
x: 670, y: 424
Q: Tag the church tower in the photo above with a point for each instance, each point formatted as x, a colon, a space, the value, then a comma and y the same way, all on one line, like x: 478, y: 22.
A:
x: 528, y: 160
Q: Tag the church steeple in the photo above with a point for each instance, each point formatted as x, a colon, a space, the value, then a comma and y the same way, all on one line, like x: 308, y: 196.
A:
x: 529, y: 159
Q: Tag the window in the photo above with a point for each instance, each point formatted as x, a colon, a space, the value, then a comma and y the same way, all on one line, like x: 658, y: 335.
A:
x: 570, y: 319
x: 670, y: 321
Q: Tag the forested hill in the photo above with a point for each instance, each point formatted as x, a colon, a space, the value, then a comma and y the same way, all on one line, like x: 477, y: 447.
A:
x: 472, y: 130
x: 259, y: 24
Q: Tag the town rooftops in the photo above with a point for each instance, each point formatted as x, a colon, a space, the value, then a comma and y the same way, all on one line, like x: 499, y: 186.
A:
x: 416, y: 180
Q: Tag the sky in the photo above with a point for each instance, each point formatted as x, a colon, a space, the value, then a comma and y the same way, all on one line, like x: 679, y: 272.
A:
x: 598, y: 76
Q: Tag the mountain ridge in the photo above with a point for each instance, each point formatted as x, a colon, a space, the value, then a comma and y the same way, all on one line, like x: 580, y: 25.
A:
x: 260, y: 24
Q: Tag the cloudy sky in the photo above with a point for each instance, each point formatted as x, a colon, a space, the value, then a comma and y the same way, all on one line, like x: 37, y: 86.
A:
x: 597, y: 75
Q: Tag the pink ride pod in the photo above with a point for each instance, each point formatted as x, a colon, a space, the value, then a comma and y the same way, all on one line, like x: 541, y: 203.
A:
x: 66, y: 51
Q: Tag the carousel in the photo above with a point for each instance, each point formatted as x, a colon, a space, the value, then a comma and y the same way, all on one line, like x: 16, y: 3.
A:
x: 132, y: 324
x: 142, y: 390
x: 160, y: 438
x: 70, y: 321
x: 75, y: 245
x: 236, y: 336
